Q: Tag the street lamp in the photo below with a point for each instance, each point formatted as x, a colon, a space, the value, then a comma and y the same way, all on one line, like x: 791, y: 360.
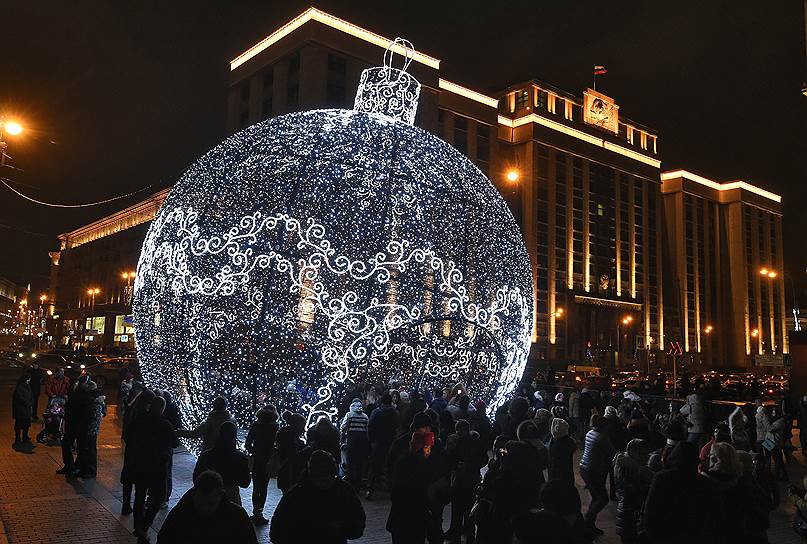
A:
x: 12, y: 128
x: 512, y: 175
x: 559, y: 312
x: 771, y: 274
x: 627, y: 320
x: 92, y: 292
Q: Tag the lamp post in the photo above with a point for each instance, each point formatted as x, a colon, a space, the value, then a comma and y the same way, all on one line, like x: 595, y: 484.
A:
x: 627, y: 320
x: 771, y: 274
x: 755, y: 335
x: 128, y: 277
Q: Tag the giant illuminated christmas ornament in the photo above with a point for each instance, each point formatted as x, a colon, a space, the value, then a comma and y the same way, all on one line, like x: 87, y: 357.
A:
x: 320, y: 250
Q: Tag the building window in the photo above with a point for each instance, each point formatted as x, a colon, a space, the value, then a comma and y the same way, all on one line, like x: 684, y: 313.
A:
x: 268, y: 84
x: 461, y: 134
x: 522, y: 100
x: 543, y: 100
x: 335, y: 87
x: 483, y: 147
x: 560, y: 106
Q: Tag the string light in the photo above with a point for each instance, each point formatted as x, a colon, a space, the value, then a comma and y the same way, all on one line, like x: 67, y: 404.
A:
x: 328, y: 248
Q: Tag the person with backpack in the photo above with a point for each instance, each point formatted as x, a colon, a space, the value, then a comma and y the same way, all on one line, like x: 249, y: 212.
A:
x: 355, y: 442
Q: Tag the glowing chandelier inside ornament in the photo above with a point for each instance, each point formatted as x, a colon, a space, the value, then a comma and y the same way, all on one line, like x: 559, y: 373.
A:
x: 324, y: 249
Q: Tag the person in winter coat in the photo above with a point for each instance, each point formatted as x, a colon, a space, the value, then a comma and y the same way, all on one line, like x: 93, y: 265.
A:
x: 37, y: 379
x: 632, y: 478
x: 695, y: 411
x: 409, y: 513
x: 681, y: 504
x: 576, y: 423
x: 595, y: 463
x: 138, y: 406
x: 539, y: 460
x: 508, y: 494
x: 88, y: 440
x: 260, y: 444
x: 152, y: 439
x: 224, y: 458
x: 562, y: 499
x: 543, y: 422
x: 439, y: 403
x: 561, y: 452
x: 775, y: 435
x: 738, y: 428
x: 57, y: 385
x: 382, y: 428
x: 721, y: 434
x: 75, y: 410
x: 208, y: 431
x: 763, y: 421
x: 467, y: 456
x: 21, y: 406
x: 204, y: 516
x: 289, y: 444
x: 356, y: 443
x: 742, y: 510
x: 173, y: 415
x: 618, y: 435
x: 339, y: 515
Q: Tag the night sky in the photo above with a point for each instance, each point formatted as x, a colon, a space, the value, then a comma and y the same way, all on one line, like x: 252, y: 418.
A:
x: 117, y: 96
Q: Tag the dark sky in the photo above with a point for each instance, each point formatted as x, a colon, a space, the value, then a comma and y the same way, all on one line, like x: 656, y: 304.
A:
x: 120, y: 95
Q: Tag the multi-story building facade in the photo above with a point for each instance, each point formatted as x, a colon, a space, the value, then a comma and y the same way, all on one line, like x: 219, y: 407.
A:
x: 725, y: 240
x: 581, y: 179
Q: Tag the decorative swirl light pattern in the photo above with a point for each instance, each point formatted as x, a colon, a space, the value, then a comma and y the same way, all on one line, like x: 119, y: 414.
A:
x: 320, y: 250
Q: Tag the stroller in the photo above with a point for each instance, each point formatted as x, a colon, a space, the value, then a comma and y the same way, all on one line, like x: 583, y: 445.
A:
x: 54, y: 421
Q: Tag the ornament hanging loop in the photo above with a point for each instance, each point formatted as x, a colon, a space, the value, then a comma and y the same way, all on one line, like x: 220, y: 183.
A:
x: 403, y: 47
x: 387, y: 90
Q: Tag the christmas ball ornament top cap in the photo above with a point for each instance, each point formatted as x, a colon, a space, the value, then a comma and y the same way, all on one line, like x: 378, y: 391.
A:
x: 388, y: 90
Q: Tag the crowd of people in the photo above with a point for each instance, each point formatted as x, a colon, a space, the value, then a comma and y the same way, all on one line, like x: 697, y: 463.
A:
x: 683, y: 473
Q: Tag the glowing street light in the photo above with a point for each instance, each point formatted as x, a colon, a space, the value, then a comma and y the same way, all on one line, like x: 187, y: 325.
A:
x: 512, y: 175
x: 755, y: 333
x: 559, y: 312
x: 12, y: 127
x: 708, y: 329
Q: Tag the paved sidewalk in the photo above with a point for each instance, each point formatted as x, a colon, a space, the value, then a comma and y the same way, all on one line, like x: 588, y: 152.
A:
x: 39, y: 506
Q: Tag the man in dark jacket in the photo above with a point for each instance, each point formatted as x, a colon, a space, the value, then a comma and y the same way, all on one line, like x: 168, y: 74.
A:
x: 37, y: 379
x: 172, y: 414
x: 153, y: 438
x: 467, y: 456
x: 681, y: 504
x: 321, y: 509
x: 75, y: 409
x: 381, y: 430
x: 21, y: 403
x: 203, y: 515
x: 260, y: 443
x: 595, y: 463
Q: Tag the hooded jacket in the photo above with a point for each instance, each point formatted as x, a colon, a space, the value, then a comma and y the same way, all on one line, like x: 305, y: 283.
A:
x: 561, y: 452
x: 22, y: 400
x: 208, y: 431
x: 763, y: 423
x: 738, y: 428
x: 354, y: 425
x: 632, y: 482
x: 696, y: 414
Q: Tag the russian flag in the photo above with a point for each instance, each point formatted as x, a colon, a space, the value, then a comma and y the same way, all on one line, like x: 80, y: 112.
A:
x: 599, y: 70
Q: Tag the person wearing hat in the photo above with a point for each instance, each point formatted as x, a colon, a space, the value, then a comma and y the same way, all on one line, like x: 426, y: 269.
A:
x: 208, y: 431
x: 260, y: 443
x: 226, y: 459
x: 321, y: 509
x: 355, y: 442
x: 409, y: 513
x: 561, y: 452
x: 289, y: 443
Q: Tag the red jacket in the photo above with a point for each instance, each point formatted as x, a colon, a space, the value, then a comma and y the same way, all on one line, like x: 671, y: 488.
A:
x: 56, y: 387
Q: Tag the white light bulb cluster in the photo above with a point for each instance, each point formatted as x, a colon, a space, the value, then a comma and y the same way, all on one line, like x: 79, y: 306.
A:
x: 327, y: 248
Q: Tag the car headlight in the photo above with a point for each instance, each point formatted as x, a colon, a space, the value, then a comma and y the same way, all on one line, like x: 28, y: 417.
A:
x: 49, y: 373
x: 33, y: 356
x: 20, y: 355
x: 82, y: 366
